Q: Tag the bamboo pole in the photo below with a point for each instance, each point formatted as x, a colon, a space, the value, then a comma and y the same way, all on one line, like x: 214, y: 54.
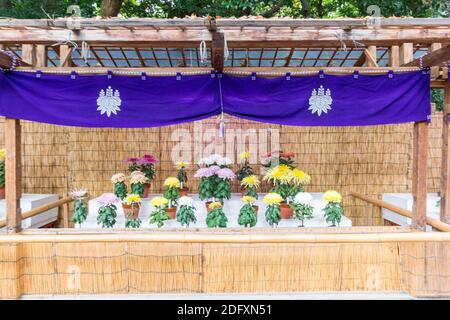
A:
x: 41, y: 209
x: 197, y: 237
x: 439, y: 225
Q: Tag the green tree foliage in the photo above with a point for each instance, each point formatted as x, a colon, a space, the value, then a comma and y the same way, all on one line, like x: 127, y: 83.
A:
x: 224, y: 8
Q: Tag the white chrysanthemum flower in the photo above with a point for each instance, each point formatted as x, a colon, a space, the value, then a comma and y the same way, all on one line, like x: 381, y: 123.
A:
x: 80, y: 193
x: 186, y: 201
x: 224, y: 161
x: 215, y: 158
x: 303, y: 198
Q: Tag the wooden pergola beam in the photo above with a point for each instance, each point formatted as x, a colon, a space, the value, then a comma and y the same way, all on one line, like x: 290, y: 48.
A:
x: 224, y: 22
x: 247, y: 37
x: 434, y: 58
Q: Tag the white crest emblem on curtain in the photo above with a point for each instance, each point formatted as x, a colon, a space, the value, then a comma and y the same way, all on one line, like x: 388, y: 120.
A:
x: 320, y: 101
x: 109, y: 101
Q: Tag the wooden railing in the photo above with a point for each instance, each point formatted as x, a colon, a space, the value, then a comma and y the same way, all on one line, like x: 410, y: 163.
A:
x: 34, y: 212
x: 437, y: 224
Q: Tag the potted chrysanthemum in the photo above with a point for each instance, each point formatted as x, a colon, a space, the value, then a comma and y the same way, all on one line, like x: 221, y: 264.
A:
x: 107, y: 211
x: 333, y: 209
x: 138, y: 181
x: 159, y: 213
x: 245, y: 169
x: 120, y: 188
x: 131, y: 205
x: 186, y: 211
x: 80, y: 210
x: 273, y: 201
x: 302, y: 207
x: 248, y: 213
x: 182, y: 176
x: 147, y: 165
x: 223, y: 187
x: 171, y: 193
x: 281, y: 176
x: 249, y: 185
x: 208, y: 183
x: 2, y: 173
x: 216, y: 218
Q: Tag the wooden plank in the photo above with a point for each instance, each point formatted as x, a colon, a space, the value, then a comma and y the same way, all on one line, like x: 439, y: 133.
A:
x: 394, y: 56
x: 406, y: 53
x: 371, y: 54
x: 248, y: 37
x: 29, y: 54
x: 221, y: 22
x: 41, y: 56
x: 13, y: 175
x: 434, y: 58
x: 419, y: 175
x: 65, y: 52
x: 445, y: 164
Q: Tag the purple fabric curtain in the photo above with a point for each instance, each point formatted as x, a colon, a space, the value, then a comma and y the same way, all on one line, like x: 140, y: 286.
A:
x: 145, y: 101
x: 119, y: 102
x: 330, y: 100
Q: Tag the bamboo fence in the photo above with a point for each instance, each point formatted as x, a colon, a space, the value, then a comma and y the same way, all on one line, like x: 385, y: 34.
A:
x: 380, y: 259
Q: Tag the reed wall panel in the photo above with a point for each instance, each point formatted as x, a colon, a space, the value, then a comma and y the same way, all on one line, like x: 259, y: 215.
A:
x: 370, y: 160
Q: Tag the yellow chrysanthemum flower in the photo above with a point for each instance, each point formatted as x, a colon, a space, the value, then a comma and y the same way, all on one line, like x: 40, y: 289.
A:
x: 248, y: 199
x: 299, y: 177
x: 132, y: 198
x: 215, y: 205
x: 245, y: 155
x: 159, y: 202
x: 172, y: 182
x: 250, y: 181
x: 182, y: 165
x: 2, y: 154
x: 272, y: 198
x: 281, y: 174
x: 332, y: 196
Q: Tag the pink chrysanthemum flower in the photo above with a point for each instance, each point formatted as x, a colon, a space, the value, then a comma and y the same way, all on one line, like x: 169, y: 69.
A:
x: 203, y: 173
x: 149, y: 158
x: 214, y: 169
x: 225, y: 173
x: 107, y: 199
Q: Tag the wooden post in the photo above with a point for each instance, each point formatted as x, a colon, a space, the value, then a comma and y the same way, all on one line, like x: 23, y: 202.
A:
x: 445, y: 164
x: 13, y: 181
x: 419, y: 175
x: 420, y: 155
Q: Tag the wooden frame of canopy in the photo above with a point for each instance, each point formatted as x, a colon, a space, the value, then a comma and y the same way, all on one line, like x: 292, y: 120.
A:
x: 401, y: 36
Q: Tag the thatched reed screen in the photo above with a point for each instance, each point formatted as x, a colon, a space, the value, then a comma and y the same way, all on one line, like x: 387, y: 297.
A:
x: 371, y: 160
x: 147, y: 265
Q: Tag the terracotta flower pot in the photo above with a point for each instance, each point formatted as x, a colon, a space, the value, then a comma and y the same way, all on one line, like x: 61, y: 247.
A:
x: 131, y: 212
x: 146, y: 190
x: 256, y: 207
x: 286, y: 211
x: 207, y: 206
x: 2, y: 193
x: 184, y: 191
x: 171, y: 212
